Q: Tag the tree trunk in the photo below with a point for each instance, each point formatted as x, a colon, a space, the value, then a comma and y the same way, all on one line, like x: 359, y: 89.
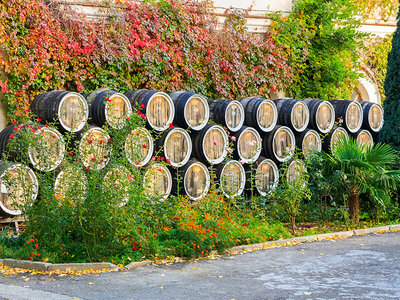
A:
x: 354, y: 205
x: 293, y: 217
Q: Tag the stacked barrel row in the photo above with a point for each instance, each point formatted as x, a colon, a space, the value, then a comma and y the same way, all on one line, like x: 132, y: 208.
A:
x: 246, y: 141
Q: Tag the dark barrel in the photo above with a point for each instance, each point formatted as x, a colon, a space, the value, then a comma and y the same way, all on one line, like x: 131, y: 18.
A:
x: 295, y: 169
x: 71, y: 184
x: 372, y: 116
x: 18, y: 186
x: 322, y: 115
x: 195, y: 180
x: 264, y: 174
x: 363, y: 137
x: 350, y: 112
x: 308, y: 140
x: 108, y: 107
x: 260, y: 113
x: 139, y: 147
x: 210, y: 144
x: 279, y: 144
x: 176, y: 146
x: 157, y: 106
x: 69, y: 109
x: 293, y: 113
x: 331, y: 139
x: 192, y: 110
x: 231, y: 177
x: 157, y: 182
x: 116, y: 184
x: 229, y: 113
x: 247, y: 145
x: 94, y: 148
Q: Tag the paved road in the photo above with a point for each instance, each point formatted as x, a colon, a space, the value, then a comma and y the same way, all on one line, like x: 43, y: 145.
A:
x: 366, y: 267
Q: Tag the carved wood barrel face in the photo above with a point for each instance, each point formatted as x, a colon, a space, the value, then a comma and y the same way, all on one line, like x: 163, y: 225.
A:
x: 266, y: 177
x: 375, y: 117
x: 295, y: 169
x: 300, y: 116
x: 197, y: 112
x: 233, y: 179
x: 46, y: 151
x: 160, y: 111
x: 311, y: 142
x: 196, y: 181
x: 71, y: 185
x: 118, y: 109
x: 364, y: 137
x: 283, y: 143
x: 249, y: 145
x: 18, y: 186
x: 338, y: 134
x: 116, y: 183
x: 178, y: 147
x: 73, y: 112
x: 267, y: 115
x: 214, y: 144
x: 234, y: 115
x: 325, y: 117
x: 157, y: 182
x: 94, y: 148
x: 139, y: 147
x: 353, y: 116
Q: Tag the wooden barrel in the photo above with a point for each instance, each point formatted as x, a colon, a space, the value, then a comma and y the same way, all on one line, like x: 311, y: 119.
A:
x: 265, y: 175
x: 260, y: 113
x: 157, y: 106
x: 139, y: 147
x: 70, y: 110
x: 350, y: 112
x: 210, y: 144
x: 71, y: 184
x: 309, y: 140
x: 108, y: 107
x: 322, y: 115
x: 18, y: 186
x: 229, y: 113
x: 192, y: 110
x: 157, y: 182
x: 116, y: 184
x: 372, y: 116
x: 195, y: 180
x: 293, y: 113
x: 295, y: 169
x: 176, y: 146
x: 279, y: 144
x: 95, y: 148
x: 363, y: 137
x: 331, y: 139
x: 231, y: 177
x: 247, y: 145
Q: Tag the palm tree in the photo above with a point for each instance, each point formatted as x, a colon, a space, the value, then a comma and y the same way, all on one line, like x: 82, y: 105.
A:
x: 362, y: 169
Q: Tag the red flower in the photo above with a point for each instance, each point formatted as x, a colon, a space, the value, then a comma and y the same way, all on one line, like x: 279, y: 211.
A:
x: 171, y: 125
x: 70, y: 153
x: 144, y: 146
x: 18, y: 93
x: 87, y: 169
x: 168, y: 161
x: 143, y: 117
x: 215, y: 143
x: 15, y: 123
x: 15, y: 128
x: 142, y: 105
x: 54, y: 137
x: 90, y: 141
x: 36, y: 245
x: 12, y: 136
x: 108, y: 99
x: 30, y: 257
x: 110, y: 141
x: 94, y: 158
x: 38, y: 119
x: 134, y: 248
x: 101, y: 142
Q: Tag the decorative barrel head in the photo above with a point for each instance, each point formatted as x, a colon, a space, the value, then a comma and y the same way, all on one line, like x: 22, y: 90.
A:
x: 364, y: 137
x: 266, y: 176
x: 248, y: 145
x: 139, y: 147
x: 295, y: 169
x: 116, y: 184
x: 73, y: 112
x: 310, y: 141
x: 71, y: 184
x: 177, y: 147
x: 337, y: 134
x: 95, y: 148
x: 232, y: 178
x: 267, y: 115
x: 196, y: 180
x: 157, y: 182
x: 118, y: 109
x: 234, y: 116
x: 211, y: 144
x: 325, y: 117
x: 353, y: 116
x: 279, y: 144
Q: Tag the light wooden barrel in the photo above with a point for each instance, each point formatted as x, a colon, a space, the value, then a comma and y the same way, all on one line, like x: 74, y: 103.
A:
x: 18, y: 186
x: 108, y: 107
x: 157, y: 106
x: 309, y: 140
x: 231, y: 177
x: 279, y: 144
x: 69, y: 109
x: 192, y: 110
x: 116, y: 184
x: 210, y: 144
x: 372, y: 116
x: 350, y: 112
x: 176, y: 145
x: 363, y: 137
x: 139, y: 147
x: 247, y: 145
x: 265, y: 175
x: 322, y: 115
x: 295, y: 169
x: 331, y: 139
x: 293, y: 113
x: 229, y: 113
x: 260, y: 113
x: 71, y: 184
x: 157, y: 182
x: 195, y: 180
x: 94, y: 148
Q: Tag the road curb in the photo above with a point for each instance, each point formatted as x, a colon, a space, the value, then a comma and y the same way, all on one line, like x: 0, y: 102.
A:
x: 137, y: 264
